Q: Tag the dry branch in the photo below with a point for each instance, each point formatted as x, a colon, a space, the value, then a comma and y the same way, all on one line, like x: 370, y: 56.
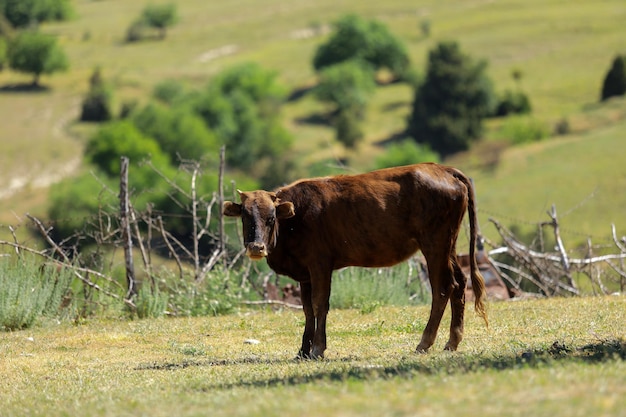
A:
x: 552, y: 273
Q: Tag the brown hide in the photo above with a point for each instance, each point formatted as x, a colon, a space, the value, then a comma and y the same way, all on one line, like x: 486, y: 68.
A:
x: 312, y: 227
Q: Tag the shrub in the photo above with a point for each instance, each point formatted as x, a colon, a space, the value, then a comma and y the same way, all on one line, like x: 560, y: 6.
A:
x: 29, y: 290
x: 136, y: 31
x: 615, y: 80
x: 513, y: 102
x: 519, y: 130
x: 169, y: 91
x: 405, y: 152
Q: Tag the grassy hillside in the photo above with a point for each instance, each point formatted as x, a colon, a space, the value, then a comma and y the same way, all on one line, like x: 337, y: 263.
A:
x: 557, y: 357
x: 563, y: 49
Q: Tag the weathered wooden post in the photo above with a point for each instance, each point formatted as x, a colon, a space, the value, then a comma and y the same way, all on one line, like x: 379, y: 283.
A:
x: 126, y: 233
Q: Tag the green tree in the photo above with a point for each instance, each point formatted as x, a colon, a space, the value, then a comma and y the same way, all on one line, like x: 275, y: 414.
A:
x: 367, y: 41
x: 76, y: 203
x: 160, y: 17
x: 348, y: 129
x: 3, y: 53
x: 22, y: 13
x: 97, y: 106
x: 179, y: 131
x: 451, y: 103
x: 242, y: 106
x: 615, y: 80
x: 117, y: 139
x: 37, y: 54
x: 348, y: 87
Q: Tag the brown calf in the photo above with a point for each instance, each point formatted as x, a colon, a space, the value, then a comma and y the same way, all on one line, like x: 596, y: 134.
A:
x: 308, y: 229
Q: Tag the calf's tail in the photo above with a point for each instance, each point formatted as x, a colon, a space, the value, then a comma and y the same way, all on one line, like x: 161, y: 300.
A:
x: 478, y: 283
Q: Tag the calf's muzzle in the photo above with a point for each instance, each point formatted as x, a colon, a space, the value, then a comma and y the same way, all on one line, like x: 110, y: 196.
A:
x: 256, y: 250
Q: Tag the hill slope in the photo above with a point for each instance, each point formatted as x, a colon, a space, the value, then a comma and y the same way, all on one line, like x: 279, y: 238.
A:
x: 563, y: 49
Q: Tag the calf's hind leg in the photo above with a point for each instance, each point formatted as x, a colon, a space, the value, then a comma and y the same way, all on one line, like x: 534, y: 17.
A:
x: 441, y: 283
x: 457, y: 304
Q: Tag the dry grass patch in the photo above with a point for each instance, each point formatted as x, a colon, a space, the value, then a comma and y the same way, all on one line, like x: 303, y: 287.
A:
x: 546, y: 357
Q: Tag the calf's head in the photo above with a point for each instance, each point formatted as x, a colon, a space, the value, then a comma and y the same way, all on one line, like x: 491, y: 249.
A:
x: 259, y: 212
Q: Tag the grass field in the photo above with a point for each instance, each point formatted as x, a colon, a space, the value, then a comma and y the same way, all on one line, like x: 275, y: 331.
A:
x: 557, y: 357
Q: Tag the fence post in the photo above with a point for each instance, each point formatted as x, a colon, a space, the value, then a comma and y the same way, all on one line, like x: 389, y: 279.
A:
x: 126, y: 233
x: 220, y: 190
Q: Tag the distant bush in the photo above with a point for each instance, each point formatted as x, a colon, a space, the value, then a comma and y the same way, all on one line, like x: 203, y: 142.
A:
x: 405, y: 152
x: 615, y: 80
x: 513, y: 102
x: 169, y: 91
x: 29, y: 290
x: 160, y: 17
x: 153, y: 16
x: 136, y: 31
x: 562, y: 127
x: 23, y: 13
x: 520, y: 130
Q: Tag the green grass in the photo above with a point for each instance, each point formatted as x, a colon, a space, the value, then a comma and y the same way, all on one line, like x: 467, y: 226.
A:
x: 557, y: 357
x: 583, y: 175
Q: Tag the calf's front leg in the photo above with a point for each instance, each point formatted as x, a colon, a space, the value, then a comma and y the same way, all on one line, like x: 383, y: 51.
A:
x: 309, y: 324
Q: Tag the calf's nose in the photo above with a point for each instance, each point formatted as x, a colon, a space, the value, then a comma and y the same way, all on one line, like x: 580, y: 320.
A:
x: 256, y: 250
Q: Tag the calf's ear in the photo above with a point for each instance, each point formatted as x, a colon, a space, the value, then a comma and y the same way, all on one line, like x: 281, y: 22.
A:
x: 231, y: 209
x: 285, y: 210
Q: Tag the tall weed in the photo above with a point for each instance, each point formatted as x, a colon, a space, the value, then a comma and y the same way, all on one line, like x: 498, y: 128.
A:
x: 368, y: 288
x: 151, y: 302
x: 29, y: 290
x: 219, y: 293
